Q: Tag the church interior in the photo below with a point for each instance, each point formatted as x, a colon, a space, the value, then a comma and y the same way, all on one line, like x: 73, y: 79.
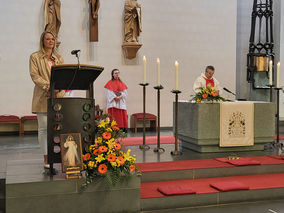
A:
x: 215, y: 150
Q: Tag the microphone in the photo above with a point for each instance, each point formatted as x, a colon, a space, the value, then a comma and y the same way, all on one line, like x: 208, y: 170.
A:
x: 74, y: 52
x: 227, y: 90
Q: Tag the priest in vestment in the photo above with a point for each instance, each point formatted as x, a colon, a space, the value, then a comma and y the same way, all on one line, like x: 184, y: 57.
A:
x: 206, y: 79
x: 116, y: 92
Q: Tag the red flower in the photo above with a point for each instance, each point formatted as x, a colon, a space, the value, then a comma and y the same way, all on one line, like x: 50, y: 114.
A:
x: 102, y: 169
x: 115, y: 128
x: 117, y: 146
x: 96, y: 152
x: 86, y: 156
x: 102, y: 149
x: 132, y: 168
x: 204, y: 96
x: 120, y: 160
x: 106, y: 135
x: 111, y: 158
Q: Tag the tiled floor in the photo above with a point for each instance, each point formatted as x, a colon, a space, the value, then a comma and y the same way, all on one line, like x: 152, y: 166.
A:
x: 257, y: 207
x: 27, y: 148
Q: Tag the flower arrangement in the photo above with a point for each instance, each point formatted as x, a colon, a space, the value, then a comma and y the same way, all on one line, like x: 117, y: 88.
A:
x: 207, y: 94
x: 105, y: 157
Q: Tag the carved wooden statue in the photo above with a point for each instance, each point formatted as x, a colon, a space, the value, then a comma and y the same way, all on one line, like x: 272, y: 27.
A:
x: 132, y: 21
x: 132, y: 28
x: 94, y: 9
x: 52, y: 16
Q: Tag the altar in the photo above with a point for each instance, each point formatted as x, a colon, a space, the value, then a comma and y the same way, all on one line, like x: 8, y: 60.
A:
x: 199, y: 126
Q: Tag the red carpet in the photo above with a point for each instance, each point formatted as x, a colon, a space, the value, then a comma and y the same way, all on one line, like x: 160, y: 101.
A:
x: 202, y: 164
x: 280, y: 137
x: 132, y: 141
x: 202, y: 186
x: 181, y: 165
x: 277, y: 157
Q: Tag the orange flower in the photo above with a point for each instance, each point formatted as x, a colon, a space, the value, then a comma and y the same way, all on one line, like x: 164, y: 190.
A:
x: 120, y: 160
x: 87, y: 156
x: 115, y: 128
x: 96, y: 152
x: 132, y: 168
x: 102, y: 169
x: 214, y: 94
x: 106, y: 135
x: 102, y: 149
x: 117, y: 146
x: 111, y: 157
x: 204, y: 96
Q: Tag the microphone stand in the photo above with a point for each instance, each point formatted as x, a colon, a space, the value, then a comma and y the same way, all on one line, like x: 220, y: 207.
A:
x: 229, y: 91
x: 77, y: 56
x: 78, y: 67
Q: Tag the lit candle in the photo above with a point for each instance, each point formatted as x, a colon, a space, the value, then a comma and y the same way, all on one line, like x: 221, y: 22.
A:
x: 144, y: 69
x: 278, y: 75
x: 158, y: 72
x: 270, y: 73
x: 176, y: 65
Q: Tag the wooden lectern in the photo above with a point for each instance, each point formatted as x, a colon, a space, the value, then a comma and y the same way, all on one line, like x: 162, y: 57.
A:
x: 71, y: 115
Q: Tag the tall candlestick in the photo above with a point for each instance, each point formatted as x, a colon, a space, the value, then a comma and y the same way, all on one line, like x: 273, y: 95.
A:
x: 278, y: 75
x: 144, y: 69
x: 158, y: 72
x: 270, y: 73
x: 176, y: 66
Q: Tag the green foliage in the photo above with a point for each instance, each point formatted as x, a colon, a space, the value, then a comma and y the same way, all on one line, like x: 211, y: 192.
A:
x: 207, y: 94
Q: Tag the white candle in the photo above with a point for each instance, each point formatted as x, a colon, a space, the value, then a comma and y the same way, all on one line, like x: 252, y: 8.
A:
x: 158, y: 72
x: 278, y: 75
x: 270, y: 73
x: 176, y: 66
x: 144, y: 69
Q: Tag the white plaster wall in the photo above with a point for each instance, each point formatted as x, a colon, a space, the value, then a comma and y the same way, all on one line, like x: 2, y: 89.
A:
x: 194, y: 32
x: 243, y: 33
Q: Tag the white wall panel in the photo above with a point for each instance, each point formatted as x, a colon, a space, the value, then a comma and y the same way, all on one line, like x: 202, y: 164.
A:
x: 194, y: 32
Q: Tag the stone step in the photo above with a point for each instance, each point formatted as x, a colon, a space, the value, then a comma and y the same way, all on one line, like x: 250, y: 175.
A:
x: 28, y: 189
x: 206, y: 168
x: 261, y: 187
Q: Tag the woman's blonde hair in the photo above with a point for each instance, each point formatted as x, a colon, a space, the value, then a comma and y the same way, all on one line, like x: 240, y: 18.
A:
x: 41, y: 44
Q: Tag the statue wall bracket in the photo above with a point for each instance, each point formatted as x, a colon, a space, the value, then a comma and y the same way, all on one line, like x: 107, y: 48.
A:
x: 130, y: 49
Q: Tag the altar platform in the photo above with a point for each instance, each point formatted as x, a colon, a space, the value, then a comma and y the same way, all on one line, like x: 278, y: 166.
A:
x: 33, y: 191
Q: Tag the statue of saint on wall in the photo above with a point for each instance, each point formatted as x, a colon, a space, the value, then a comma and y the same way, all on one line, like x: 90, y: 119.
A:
x: 94, y: 9
x: 132, y: 28
x: 52, y: 16
x: 132, y: 21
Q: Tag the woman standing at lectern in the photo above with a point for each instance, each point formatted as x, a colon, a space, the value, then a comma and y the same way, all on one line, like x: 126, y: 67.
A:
x: 40, y: 68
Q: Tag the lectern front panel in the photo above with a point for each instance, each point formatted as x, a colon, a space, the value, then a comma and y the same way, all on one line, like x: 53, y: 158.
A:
x: 69, y: 115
